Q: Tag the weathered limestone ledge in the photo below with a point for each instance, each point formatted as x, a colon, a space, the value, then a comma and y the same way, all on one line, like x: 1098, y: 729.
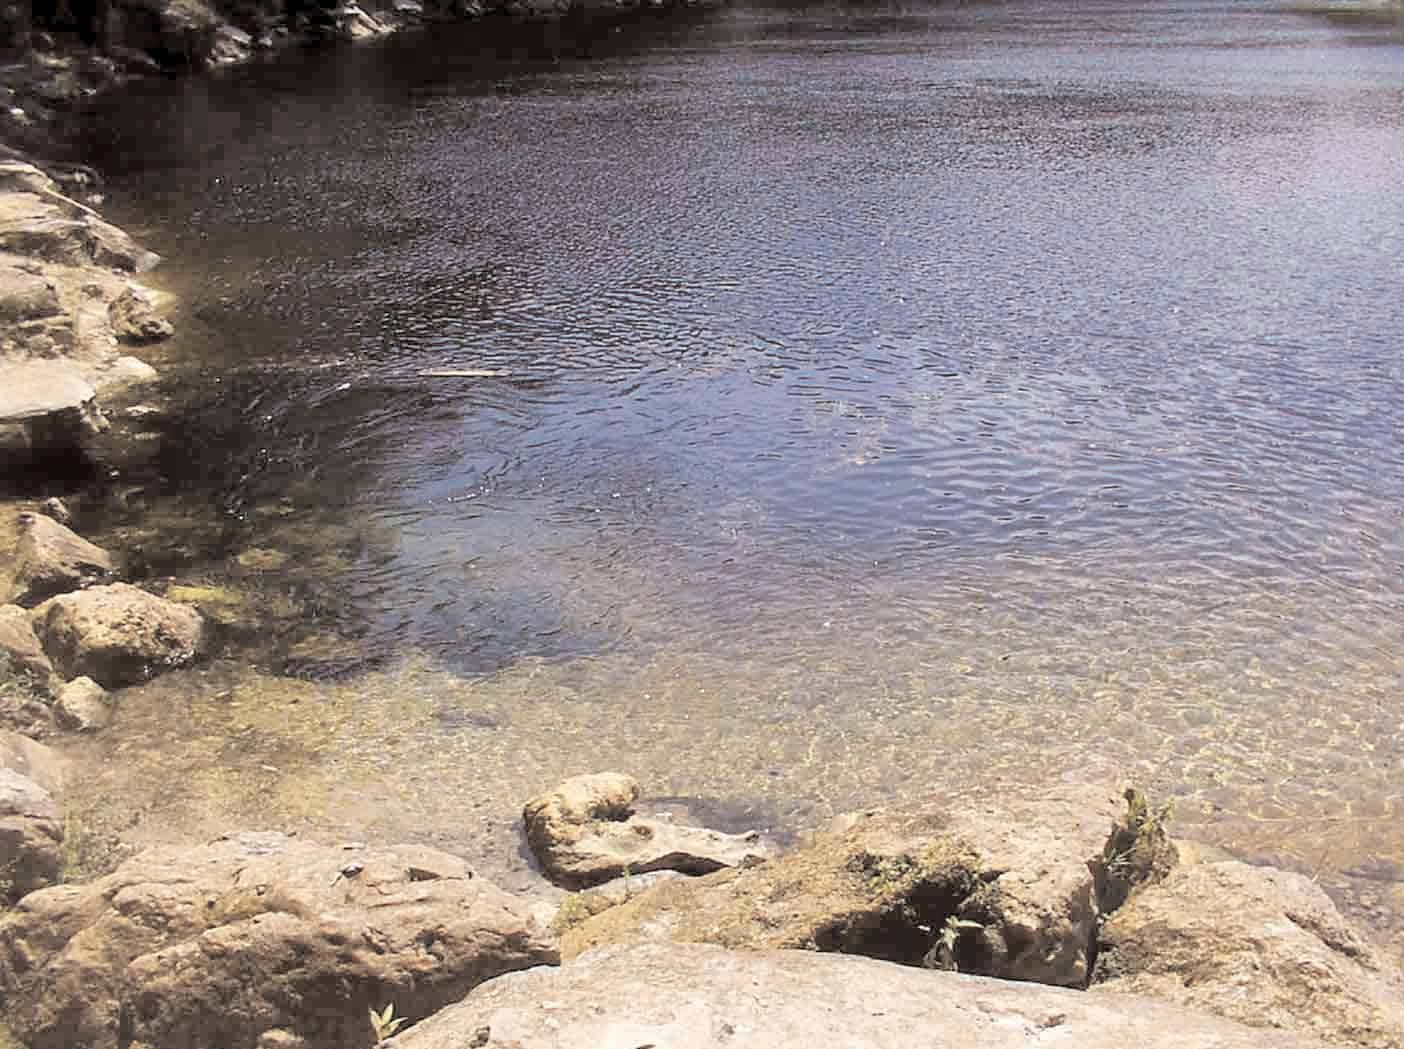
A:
x: 71, y: 316
x: 1061, y: 918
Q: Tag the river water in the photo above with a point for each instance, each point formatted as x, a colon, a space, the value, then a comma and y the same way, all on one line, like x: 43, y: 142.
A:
x: 860, y: 401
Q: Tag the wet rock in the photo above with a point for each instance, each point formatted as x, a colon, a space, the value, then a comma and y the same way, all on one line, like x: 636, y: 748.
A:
x: 83, y: 705
x: 53, y: 559
x: 254, y: 934
x: 1011, y: 887
x: 231, y: 45
x: 125, y: 372
x: 117, y: 635
x: 57, y: 509
x: 46, y: 409
x: 25, y: 295
x: 356, y: 24
x: 1261, y: 946
x: 20, y: 646
x: 134, y: 317
x: 698, y: 997
x: 586, y: 832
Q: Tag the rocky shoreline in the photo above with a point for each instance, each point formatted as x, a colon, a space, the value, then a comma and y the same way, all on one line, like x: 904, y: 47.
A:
x: 1067, y: 916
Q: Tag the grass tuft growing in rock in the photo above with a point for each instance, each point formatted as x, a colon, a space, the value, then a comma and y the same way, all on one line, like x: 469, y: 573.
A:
x: 1139, y: 850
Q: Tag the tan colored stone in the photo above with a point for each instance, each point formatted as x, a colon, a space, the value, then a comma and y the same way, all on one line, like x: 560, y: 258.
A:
x: 118, y: 634
x: 46, y: 407
x: 1024, y: 878
x: 20, y: 645
x: 665, y: 996
x: 25, y: 295
x: 134, y: 317
x: 83, y: 705
x: 256, y: 933
x: 44, y: 765
x: 53, y: 559
x: 1261, y: 946
x: 31, y: 824
x: 31, y: 836
x: 586, y: 832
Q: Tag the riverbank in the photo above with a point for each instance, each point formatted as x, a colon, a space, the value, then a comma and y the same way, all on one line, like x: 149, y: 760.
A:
x: 987, y: 919
x: 362, y: 752
x: 59, y: 57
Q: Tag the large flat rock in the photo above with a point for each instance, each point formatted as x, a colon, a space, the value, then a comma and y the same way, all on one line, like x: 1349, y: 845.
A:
x: 673, y: 996
x: 32, y: 389
x: 254, y: 934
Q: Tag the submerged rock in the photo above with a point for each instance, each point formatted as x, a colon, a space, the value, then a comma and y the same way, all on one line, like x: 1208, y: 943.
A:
x: 698, y: 997
x: 586, y: 832
x: 52, y: 559
x: 134, y: 317
x: 117, y: 635
x: 1008, y: 887
x: 255, y: 934
x: 1261, y: 946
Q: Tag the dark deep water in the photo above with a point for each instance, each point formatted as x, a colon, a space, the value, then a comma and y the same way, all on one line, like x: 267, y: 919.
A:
x: 881, y: 396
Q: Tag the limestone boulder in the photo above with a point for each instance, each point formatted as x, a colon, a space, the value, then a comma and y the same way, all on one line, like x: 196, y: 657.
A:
x: 1264, y: 947
x: 26, y: 295
x: 33, y: 760
x: 117, y: 634
x: 31, y: 823
x: 83, y: 705
x: 702, y: 997
x: 31, y: 836
x: 51, y: 559
x: 19, y: 645
x: 37, y: 220
x: 1012, y: 887
x: 255, y: 934
x: 586, y: 832
x: 135, y: 319
x: 46, y: 409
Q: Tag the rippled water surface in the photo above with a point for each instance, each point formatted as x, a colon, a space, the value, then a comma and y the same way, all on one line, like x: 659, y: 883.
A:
x: 877, y: 398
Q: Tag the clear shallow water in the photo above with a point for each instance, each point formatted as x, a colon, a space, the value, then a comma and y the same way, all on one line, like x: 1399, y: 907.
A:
x: 888, y: 397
